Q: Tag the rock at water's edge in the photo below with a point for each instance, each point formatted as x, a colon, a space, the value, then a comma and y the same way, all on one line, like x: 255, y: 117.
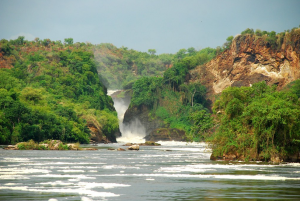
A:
x: 134, y: 147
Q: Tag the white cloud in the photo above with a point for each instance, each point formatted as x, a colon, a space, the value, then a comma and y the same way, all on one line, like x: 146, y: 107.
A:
x: 27, y: 36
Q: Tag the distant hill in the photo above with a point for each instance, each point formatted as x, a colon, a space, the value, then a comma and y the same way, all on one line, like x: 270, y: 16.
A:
x: 120, y: 67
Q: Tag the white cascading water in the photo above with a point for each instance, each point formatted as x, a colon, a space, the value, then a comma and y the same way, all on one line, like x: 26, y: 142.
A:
x: 134, y: 131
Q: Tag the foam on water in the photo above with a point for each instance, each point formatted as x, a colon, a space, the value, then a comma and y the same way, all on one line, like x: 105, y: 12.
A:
x: 132, y: 131
x: 131, y: 137
x: 209, y: 176
x: 13, y: 177
x: 57, y: 183
x: 180, y: 143
x: 15, y: 171
x: 148, y: 172
x: 80, y: 176
x: 11, y: 184
x: 70, y: 170
x: 119, y: 167
x: 214, y: 167
x: 102, y: 185
x: 15, y: 160
x: 80, y: 191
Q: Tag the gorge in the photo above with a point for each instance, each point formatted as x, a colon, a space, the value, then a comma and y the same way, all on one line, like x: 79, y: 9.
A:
x: 132, y: 131
x: 243, y: 101
x: 55, y: 90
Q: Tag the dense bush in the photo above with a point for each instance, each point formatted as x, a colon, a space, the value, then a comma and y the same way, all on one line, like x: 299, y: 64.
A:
x: 174, y: 101
x: 51, y: 92
x: 273, y: 39
x: 257, y: 123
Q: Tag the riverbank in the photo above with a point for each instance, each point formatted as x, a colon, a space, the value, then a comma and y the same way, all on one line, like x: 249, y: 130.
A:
x: 46, y: 145
x: 59, y: 145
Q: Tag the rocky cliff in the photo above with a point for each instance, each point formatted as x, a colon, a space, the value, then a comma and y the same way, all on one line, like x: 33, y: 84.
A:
x: 142, y: 113
x: 251, y: 59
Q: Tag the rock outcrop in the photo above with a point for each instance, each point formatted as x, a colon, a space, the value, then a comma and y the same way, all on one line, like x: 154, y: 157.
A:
x: 251, y: 59
x: 134, y: 147
x: 97, y: 135
x: 142, y: 113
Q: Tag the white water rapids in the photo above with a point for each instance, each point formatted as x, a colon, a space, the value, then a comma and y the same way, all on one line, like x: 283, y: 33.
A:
x: 172, y: 171
x: 134, y: 131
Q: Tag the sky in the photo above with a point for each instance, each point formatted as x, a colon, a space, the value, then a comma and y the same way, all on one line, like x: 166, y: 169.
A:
x: 164, y: 25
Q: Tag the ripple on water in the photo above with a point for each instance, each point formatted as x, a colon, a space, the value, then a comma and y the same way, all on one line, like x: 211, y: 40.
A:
x: 149, y: 174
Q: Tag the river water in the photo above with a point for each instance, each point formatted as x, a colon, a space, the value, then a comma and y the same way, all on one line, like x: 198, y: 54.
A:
x: 173, y: 171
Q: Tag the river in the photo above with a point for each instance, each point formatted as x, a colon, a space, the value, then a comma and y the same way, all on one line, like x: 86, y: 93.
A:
x: 173, y: 171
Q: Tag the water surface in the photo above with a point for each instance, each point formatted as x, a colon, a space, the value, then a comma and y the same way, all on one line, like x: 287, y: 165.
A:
x: 174, y: 171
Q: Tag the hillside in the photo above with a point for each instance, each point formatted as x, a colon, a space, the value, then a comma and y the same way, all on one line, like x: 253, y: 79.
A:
x: 252, y: 88
x: 169, y: 105
x: 51, y: 90
x: 120, y: 67
x: 251, y: 58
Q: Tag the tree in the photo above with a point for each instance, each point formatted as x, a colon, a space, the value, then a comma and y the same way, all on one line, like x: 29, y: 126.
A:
x: 181, y: 54
x: 69, y: 41
x: 192, y: 90
x: 152, y: 51
x: 248, y: 31
x: 228, y: 42
x: 202, y: 122
x: 46, y: 42
x: 191, y: 51
x: 257, y: 123
x: 20, y: 40
x: 258, y: 32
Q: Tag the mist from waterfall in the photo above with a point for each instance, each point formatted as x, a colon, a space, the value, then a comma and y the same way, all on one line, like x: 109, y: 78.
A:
x: 133, y: 131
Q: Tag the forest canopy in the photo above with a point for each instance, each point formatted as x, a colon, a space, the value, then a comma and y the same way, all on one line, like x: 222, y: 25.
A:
x: 50, y: 90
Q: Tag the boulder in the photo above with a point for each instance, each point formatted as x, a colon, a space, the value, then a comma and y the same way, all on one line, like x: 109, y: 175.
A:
x: 11, y: 147
x: 120, y: 149
x: 134, y: 147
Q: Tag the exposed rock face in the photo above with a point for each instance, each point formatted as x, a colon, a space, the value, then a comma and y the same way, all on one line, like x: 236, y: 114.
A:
x: 97, y: 134
x: 155, y: 128
x: 166, y: 134
x: 251, y: 59
x: 142, y: 113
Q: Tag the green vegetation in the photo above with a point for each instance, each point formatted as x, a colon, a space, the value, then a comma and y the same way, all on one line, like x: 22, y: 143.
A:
x: 119, y: 66
x: 47, y: 145
x: 257, y: 123
x: 55, y: 90
x: 252, y: 123
x: 49, y: 90
x: 171, y: 99
x: 271, y: 38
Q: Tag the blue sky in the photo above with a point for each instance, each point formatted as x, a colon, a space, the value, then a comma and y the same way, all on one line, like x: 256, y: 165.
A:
x: 164, y: 25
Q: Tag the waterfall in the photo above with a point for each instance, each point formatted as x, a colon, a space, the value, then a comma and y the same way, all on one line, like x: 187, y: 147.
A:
x: 133, y: 131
